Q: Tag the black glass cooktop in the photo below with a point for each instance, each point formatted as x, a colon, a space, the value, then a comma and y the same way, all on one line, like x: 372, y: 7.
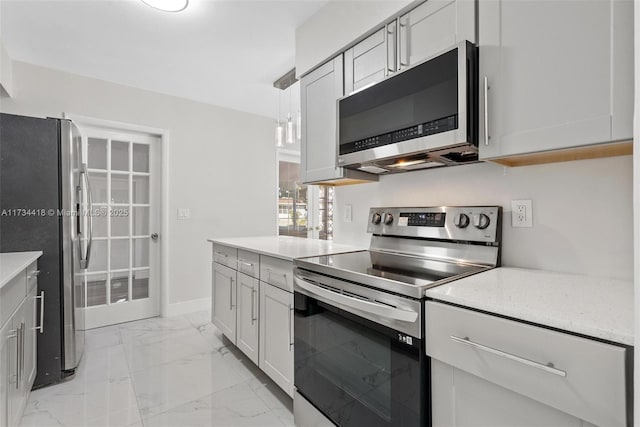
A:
x: 410, y: 270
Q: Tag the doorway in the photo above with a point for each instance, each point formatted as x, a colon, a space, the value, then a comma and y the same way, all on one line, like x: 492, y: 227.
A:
x: 122, y: 281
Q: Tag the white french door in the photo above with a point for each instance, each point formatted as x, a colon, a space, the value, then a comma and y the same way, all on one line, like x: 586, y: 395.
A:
x: 122, y: 282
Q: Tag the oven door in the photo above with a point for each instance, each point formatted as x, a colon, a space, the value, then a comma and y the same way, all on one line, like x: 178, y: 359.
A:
x: 357, y: 372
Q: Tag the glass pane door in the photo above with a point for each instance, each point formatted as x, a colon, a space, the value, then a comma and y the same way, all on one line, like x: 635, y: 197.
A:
x: 124, y: 186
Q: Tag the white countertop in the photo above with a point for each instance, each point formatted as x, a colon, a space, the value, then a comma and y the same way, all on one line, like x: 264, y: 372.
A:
x: 286, y: 247
x: 592, y: 306
x: 12, y: 263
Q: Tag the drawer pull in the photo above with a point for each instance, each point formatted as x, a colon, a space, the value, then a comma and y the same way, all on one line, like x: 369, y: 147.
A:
x: 245, y: 263
x: 275, y: 273
x: 547, y: 368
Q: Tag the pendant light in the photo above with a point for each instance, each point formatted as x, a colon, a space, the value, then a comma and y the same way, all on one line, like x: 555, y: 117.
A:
x: 279, y: 127
x: 286, y: 131
x: 290, y: 132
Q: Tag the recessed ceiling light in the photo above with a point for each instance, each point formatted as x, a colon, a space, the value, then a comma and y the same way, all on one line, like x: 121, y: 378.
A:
x: 167, y: 5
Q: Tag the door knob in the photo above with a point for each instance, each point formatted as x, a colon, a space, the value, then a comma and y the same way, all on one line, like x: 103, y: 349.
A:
x: 154, y: 236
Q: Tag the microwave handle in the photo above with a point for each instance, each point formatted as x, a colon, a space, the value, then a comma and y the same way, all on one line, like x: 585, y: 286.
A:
x: 486, y: 110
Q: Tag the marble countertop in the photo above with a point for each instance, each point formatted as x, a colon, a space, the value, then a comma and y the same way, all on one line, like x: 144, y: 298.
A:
x: 286, y: 247
x: 12, y: 263
x: 593, y: 306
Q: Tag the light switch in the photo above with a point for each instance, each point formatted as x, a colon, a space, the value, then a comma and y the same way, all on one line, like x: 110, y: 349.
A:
x: 184, y: 213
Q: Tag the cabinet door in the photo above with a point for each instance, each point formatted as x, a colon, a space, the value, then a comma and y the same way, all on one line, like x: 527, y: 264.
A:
x: 434, y: 26
x: 276, y: 335
x: 247, y: 334
x: 368, y: 62
x: 223, y: 312
x: 15, y: 390
x: 462, y: 399
x: 31, y: 312
x: 319, y: 91
x: 551, y: 74
x: 7, y: 369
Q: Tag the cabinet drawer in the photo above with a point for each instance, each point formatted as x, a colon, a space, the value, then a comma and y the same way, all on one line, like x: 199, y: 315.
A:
x: 11, y: 295
x: 249, y: 263
x: 32, y: 276
x: 277, y: 272
x: 582, y: 377
x: 225, y: 255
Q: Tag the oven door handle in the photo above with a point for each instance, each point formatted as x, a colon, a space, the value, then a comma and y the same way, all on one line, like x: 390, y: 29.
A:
x: 346, y: 301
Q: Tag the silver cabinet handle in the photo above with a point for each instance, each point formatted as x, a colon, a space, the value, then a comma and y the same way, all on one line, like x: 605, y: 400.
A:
x: 270, y: 271
x: 22, y: 326
x: 41, y: 326
x: 245, y: 263
x: 290, y: 327
x: 34, y: 274
x: 253, y: 305
x: 222, y: 254
x: 403, y: 27
x: 390, y: 30
x: 15, y: 333
x: 230, y: 293
x: 547, y: 368
x: 486, y: 110
x: 19, y: 356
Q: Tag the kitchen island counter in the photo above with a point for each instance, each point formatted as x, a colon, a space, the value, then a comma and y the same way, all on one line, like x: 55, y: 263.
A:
x: 285, y: 247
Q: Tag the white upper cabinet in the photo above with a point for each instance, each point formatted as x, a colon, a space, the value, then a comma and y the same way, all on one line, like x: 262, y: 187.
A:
x: 371, y: 60
x: 434, y: 26
x: 554, y: 74
x: 319, y: 92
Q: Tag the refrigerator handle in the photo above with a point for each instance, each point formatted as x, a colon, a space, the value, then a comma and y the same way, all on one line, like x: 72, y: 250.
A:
x: 84, y: 263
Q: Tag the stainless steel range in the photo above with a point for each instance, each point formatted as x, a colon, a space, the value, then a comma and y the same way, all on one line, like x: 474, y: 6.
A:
x: 359, y: 355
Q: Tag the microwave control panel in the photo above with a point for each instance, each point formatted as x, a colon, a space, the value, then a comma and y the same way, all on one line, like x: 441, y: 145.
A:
x: 417, y: 131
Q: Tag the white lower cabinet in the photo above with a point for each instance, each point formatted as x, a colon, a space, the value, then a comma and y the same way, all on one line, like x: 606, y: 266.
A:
x: 247, y: 316
x: 223, y: 306
x: 276, y: 335
x: 486, y: 370
x: 18, y: 352
x: 253, y: 307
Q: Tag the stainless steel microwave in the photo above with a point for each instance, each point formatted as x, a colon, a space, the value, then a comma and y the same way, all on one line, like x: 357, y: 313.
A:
x: 425, y: 116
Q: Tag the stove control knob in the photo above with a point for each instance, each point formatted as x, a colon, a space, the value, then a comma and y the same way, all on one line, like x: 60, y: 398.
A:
x: 388, y: 218
x: 461, y: 220
x: 376, y: 218
x: 481, y: 221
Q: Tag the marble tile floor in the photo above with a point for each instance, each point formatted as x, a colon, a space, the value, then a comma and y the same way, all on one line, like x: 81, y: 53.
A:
x: 177, y: 371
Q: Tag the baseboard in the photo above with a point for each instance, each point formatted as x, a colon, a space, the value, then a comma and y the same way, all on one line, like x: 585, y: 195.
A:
x: 186, y: 307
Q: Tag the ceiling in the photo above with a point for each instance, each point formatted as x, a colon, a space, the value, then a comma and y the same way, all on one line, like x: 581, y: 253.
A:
x: 222, y: 52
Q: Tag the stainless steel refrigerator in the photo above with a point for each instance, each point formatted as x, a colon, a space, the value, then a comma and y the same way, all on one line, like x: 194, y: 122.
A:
x: 45, y: 205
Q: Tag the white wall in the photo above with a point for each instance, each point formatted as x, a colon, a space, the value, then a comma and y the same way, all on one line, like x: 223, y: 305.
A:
x: 582, y: 210
x: 6, y: 72
x: 337, y: 25
x: 222, y: 162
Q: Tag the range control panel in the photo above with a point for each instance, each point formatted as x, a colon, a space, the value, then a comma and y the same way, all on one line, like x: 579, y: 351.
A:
x: 466, y: 223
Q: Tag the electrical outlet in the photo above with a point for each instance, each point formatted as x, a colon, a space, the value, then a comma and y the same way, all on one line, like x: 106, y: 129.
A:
x: 348, y: 213
x: 184, y: 213
x: 521, y: 213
